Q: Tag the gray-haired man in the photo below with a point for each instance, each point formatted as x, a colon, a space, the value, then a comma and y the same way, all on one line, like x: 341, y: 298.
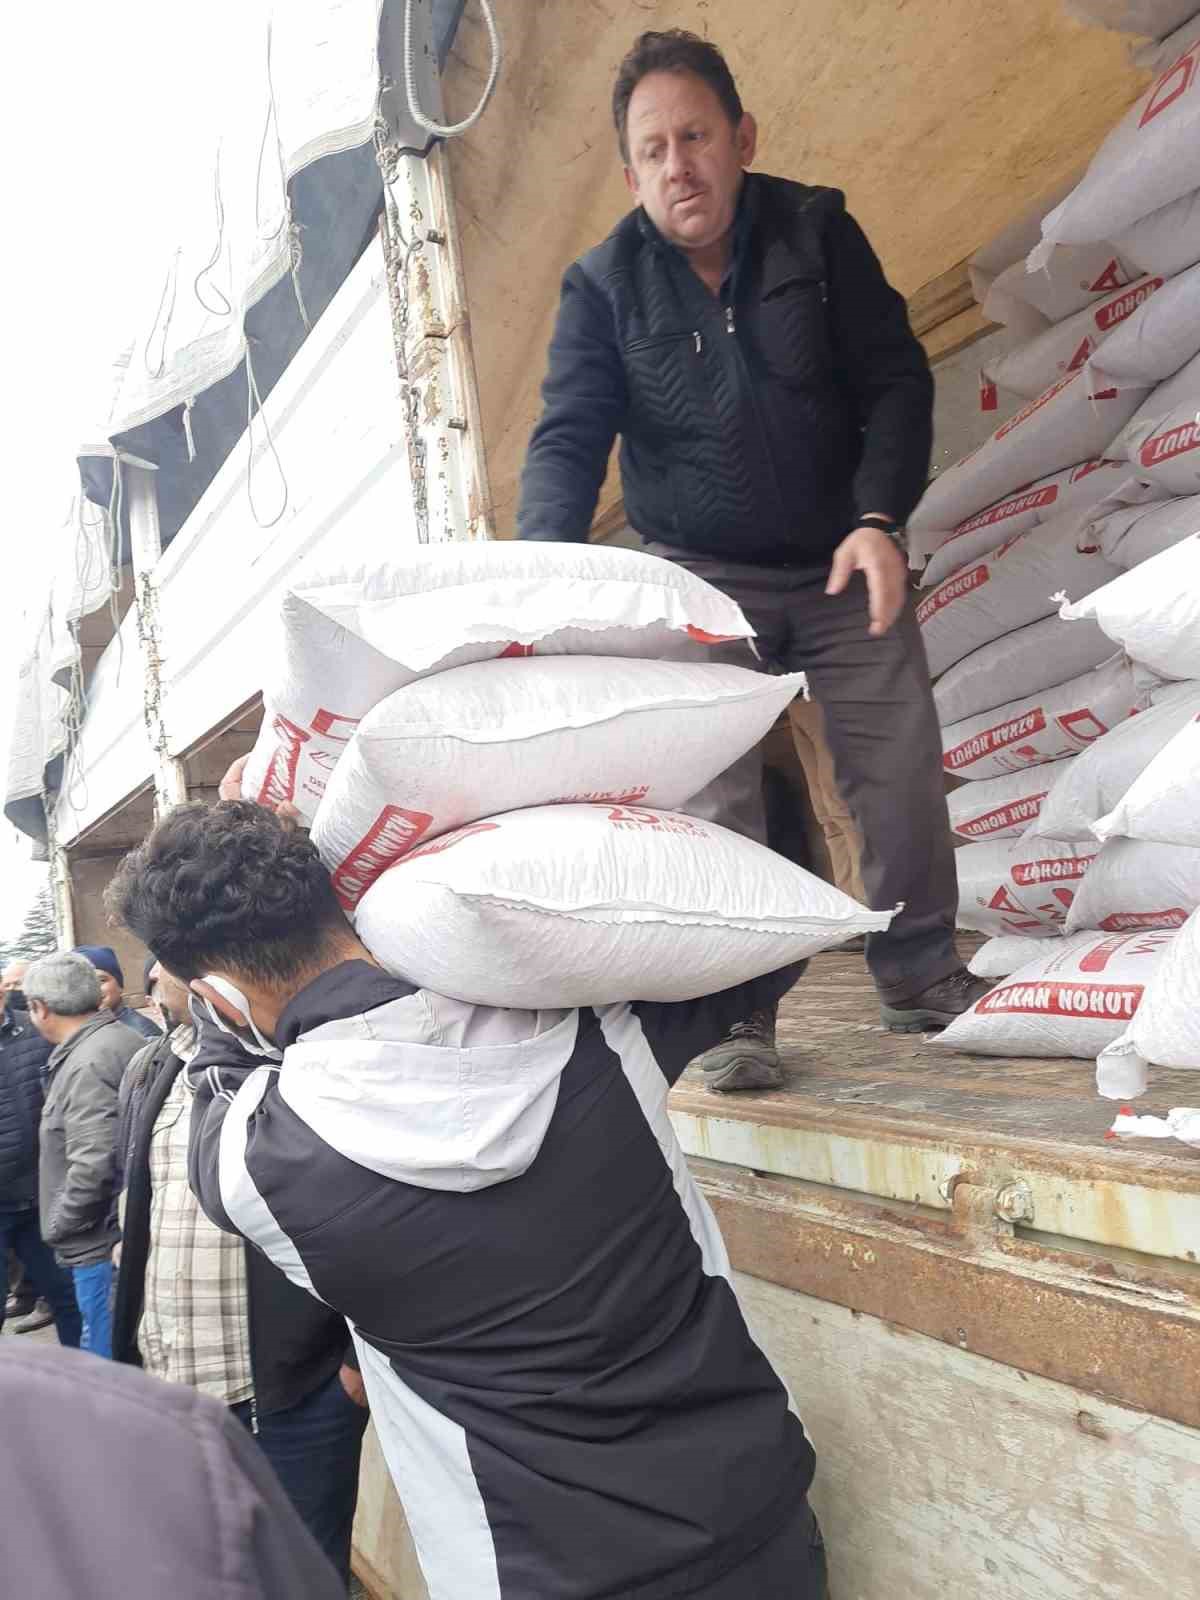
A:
x: 91, y: 1050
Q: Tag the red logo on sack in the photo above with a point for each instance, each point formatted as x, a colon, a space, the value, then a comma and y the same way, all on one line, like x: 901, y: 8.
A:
x: 1088, y: 467
x: 953, y: 589
x: 989, y: 395
x: 1055, y: 870
x: 1080, y: 356
x: 1113, y: 277
x: 1085, y: 725
x: 1129, y: 920
x: 514, y: 649
x: 599, y: 798
x: 1175, y: 442
x: 1176, y: 81
x: 1062, y: 999
x: 708, y: 638
x: 1100, y: 955
x: 331, y: 725
x: 393, y: 832
x: 1035, y: 501
x: 279, y: 784
x: 1003, y: 817
x: 663, y: 821
x: 990, y: 740
x: 1114, y: 312
x: 1033, y: 407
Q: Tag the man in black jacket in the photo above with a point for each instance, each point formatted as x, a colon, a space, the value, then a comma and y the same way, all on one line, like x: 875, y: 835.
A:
x: 774, y: 409
x: 199, y: 1307
x: 23, y: 1057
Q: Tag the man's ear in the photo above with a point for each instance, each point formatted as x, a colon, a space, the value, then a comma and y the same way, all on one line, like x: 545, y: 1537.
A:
x: 631, y: 182
x: 219, y: 1003
x: 746, y: 138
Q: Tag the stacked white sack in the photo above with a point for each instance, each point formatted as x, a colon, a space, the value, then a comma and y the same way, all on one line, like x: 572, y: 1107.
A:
x: 1073, y: 998
x: 1013, y: 586
x: 1163, y: 804
x: 1151, y: 158
x: 1138, y: 533
x: 1004, y: 807
x: 1132, y: 884
x: 1153, y: 611
x: 1080, y: 489
x: 1046, y: 727
x: 1096, y: 782
x: 588, y: 905
x: 1025, y: 890
x: 1005, y: 953
x: 1074, y: 277
x: 1041, y: 655
x: 1161, y: 441
x: 355, y: 633
x: 1067, y: 346
x: 1158, y: 338
x: 500, y: 736
x: 1165, y: 1030
x: 1167, y: 241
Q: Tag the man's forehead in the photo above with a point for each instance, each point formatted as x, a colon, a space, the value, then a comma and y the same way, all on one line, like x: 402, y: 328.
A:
x: 664, y: 94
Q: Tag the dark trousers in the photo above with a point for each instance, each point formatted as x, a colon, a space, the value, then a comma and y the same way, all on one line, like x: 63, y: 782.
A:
x: 882, y: 730
x: 20, y: 1233
x: 314, y: 1448
x: 790, y: 1566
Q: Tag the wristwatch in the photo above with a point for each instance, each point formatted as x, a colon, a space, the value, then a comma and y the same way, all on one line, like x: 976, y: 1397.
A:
x: 895, y: 532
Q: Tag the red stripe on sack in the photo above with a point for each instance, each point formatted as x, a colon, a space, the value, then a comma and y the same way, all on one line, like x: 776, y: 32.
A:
x: 990, y: 740
x: 1061, y: 998
x: 393, y: 832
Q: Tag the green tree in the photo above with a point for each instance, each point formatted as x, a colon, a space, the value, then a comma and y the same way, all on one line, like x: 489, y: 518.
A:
x: 39, y: 933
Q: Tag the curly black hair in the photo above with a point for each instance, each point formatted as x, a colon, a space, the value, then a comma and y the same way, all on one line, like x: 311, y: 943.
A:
x: 673, y: 50
x: 231, y: 886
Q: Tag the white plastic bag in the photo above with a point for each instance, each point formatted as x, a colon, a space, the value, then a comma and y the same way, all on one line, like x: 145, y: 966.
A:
x: 1165, y: 1030
x: 1153, y: 611
x: 1162, y: 440
x: 356, y: 632
x: 1103, y: 773
x: 1163, y: 804
x: 1026, y: 889
x: 1133, y: 534
x: 1160, y: 337
x: 1166, y: 241
x: 1133, y: 885
x: 1182, y: 1123
x: 1008, y: 589
x: 504, y: 735
x: 1004, y: 807
x: 587, y: 905
x: 1072, y: 999
x: 1039, y: 656
x: 1069, y: 345
x: 1004, y: 954
x: 1065, y: 425
x: 1046, y: 727
x: 1078, y: 489
x: 1149, y: 159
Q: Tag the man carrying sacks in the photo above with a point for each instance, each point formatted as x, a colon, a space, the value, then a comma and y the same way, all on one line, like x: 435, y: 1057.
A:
x: 567, y: 1395
x: 774, y: 409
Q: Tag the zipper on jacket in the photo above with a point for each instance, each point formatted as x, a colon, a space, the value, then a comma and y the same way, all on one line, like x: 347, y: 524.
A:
x: 730, y: 324
x: 667, y: 338
x: 820, y: 284
x: 246, y: 1249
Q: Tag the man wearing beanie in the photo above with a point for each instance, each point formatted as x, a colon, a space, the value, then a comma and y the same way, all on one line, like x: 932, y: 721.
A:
x: 112, y: 989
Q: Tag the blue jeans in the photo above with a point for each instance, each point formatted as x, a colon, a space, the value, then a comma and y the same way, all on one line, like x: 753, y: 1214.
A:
x: 93, y: 1291
x: 20, y: 1233
x: 314, y: 1448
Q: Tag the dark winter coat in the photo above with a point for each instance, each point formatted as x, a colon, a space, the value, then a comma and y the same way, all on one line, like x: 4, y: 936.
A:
x: 755, y: 426
x: 23, y: 1057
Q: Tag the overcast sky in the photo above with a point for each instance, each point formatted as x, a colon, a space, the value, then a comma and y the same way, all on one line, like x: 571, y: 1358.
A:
x: 105, y: 123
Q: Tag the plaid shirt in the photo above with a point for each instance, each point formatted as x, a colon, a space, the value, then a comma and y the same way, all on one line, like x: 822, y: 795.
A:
x: 195, y: 1323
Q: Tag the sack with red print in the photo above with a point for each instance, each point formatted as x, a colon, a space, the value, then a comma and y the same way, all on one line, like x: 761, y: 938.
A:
x: 1103, y: 773
x: 1074, y: 277
x: 1046, y: 727
x: 1161, y: 336
x: 1163, y: 804
x: 1026, y: 889
x: 356, y: 633
x: 502, y: 735
x: 1067, y: 424
x: 1153, y: 611
x: 1133, y: 884
x: 1149, y: 159
x: 1168, y: 240
x: 1004, y: 807
x: 1079, y: 489
x: 1162, y: 440
x: 1133, y: 534
x: 1074, y: 998
x: 1165, y: 1031
x: 1013, y: 586
x: 1005, y: 954
x: 1066, y: 347
x: 587, y: 905
x: 1039, y: 656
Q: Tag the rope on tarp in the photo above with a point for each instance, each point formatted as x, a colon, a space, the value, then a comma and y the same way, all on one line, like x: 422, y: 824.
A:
x: 288, y: 222
x: 453, y: 129
x: 225, y: 309
x: 254, y: 407
x: 170, y: 284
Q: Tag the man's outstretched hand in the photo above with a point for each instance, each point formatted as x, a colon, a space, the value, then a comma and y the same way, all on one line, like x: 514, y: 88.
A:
x: 878, y: 558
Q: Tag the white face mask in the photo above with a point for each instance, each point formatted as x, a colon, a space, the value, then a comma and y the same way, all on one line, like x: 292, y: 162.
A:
x: 256, y: 1044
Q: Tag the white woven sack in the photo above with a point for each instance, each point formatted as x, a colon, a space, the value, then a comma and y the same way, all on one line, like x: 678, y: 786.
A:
x: 1004, y: 807
x: 586, y: 905
x: 1166, y: 241
x: 1079, y: 489
x: 1162, y: 440
x: 504, y: 735
x: 1008, y: 589
x: 1134, y: 534
x: 356, y: 632
x: 1063, y: 426
x: 1153, y: 611
x: 1046, y: 727
x: 1071, y: 999
x: 1075, y: 276
x: 1163, y: 804
x: 1039, y: 656
x: 1133, y: 884
x: 1102, y: 774
x: 1153, y: 19
x: 1025, y: 889
x: 1066, y: 347
x: 1161, y: 336
x: 1149, y: 159
x: 1005, y: 953
x: 1165, y: 1030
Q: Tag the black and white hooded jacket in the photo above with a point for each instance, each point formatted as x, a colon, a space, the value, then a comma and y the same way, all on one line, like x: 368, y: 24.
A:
x: 564, y: 1387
